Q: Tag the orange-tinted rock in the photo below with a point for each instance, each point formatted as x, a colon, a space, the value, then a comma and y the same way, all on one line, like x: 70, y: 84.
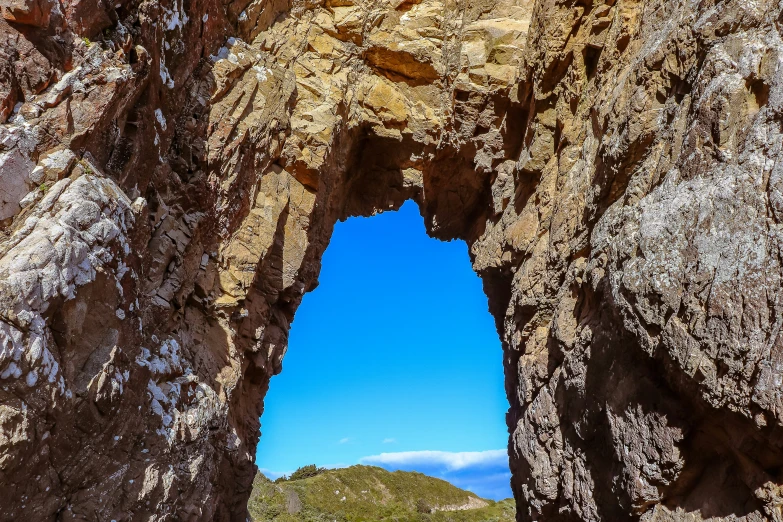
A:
x: 28, y: 12
x: 167, y: 192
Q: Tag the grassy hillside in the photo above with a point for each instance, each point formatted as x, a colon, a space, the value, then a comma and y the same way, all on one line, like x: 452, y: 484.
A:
x: 369, y: 494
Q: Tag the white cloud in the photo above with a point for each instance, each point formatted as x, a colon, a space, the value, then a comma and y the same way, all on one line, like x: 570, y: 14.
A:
x: 485, y: 473
x: 389, y: 441
x: 344, y: 440
x: 442, y: 459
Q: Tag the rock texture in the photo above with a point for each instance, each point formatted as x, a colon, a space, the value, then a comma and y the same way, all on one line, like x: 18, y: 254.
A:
x: 170, y: 173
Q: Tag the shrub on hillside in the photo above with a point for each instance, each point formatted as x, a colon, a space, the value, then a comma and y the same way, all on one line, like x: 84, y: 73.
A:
x: 311, y: 470
x: 422, y: 506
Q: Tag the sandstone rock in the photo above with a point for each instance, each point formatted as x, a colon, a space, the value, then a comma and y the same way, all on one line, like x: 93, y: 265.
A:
x: 168, y: 189
x: 88, y: 17
x: 28, y: 12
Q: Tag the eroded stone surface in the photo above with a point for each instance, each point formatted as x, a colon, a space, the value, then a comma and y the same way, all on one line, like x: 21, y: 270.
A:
x: 170, y: 174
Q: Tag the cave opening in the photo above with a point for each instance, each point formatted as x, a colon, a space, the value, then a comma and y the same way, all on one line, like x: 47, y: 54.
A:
x: 393, y: 360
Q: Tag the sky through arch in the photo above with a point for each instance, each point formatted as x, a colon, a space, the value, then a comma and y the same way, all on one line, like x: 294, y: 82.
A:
x: 394, y: 361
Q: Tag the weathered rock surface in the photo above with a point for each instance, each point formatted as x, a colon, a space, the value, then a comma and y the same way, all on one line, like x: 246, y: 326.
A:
x: 170, y: 173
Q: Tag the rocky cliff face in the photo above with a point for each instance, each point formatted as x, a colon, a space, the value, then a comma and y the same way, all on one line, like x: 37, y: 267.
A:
x: 170, y: 173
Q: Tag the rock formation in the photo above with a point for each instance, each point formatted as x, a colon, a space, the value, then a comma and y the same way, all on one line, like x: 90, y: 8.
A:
x: 171, y: 171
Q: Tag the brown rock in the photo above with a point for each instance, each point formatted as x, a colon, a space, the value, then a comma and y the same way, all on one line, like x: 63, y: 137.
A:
x: 167, y: 194
x: 27, y: 12
x: 88, y: 17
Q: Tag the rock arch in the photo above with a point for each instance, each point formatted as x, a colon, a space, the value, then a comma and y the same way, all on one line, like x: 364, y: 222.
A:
x: 167, y: 195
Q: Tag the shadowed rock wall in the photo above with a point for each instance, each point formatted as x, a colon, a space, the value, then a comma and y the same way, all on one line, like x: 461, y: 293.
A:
x: 170, y: 173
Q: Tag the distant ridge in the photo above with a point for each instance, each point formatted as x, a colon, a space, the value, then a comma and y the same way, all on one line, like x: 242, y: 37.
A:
x: 370, y: 494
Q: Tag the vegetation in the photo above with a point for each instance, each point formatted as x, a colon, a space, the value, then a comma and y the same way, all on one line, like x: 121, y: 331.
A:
x: 87, y: 168
x: 366, y: 494
x: 302, y: 473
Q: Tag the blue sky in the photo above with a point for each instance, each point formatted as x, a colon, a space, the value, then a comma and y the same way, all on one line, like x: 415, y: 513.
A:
x: 393, y: 361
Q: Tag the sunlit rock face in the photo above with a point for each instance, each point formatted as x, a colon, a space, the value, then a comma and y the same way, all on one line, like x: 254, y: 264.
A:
x: 170, y: 174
